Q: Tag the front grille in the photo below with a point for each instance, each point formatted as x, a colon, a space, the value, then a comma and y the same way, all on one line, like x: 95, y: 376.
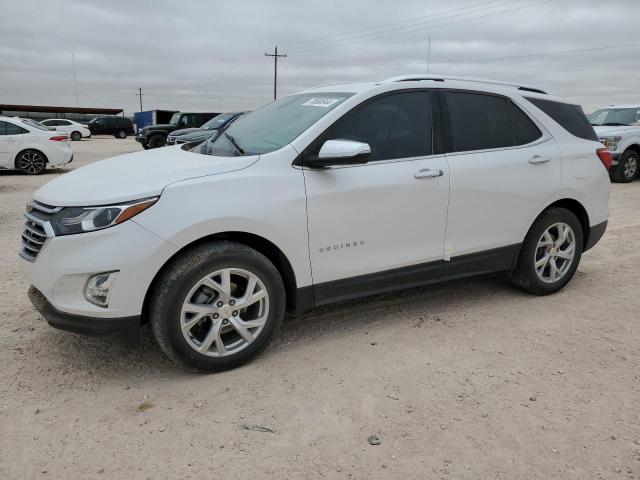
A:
x: 37, y: 229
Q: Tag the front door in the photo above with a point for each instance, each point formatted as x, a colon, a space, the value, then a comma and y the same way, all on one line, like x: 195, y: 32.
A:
x: 377, y: 226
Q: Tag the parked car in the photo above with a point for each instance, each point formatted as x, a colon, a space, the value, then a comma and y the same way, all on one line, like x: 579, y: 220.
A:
x: 29, y: 147
x: 75, y: 130
x: 372, y: 187
x: 618, y: 128
x: 119, y: 127
x: 154, y: 136
x: 216, y: 124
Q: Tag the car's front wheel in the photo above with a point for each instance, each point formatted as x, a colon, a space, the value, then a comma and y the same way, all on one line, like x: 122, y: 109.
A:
x: 121, y: 134
x: 627, y: 167
x: 157, y: 141
x: 76, y: 136
x: 551, y: 252
x: 217, y: 306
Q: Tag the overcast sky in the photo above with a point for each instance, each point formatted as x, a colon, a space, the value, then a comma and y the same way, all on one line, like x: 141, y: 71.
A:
x: 209, y: 55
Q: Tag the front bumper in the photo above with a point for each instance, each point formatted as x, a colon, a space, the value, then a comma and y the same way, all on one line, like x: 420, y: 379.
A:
x: 63, y: 265
x: 125, y: 330
x: 141, y: 138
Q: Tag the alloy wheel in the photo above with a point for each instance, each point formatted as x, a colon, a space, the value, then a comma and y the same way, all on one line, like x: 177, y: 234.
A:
x: 555, y: 252
x: 31, y: 163
x: 630, y: 167
x: 224, y: 312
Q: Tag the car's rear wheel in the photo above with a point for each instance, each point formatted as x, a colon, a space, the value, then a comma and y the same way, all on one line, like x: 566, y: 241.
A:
x: 31, y: 162
x: 157, y: 141
x: 627, y: 167
x: 76, y: 136
x: 121, y: 134
x: 217, y: 306
x: 551, y: 252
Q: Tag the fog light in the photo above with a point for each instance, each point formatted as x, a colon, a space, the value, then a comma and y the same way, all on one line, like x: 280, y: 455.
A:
x: 97, y: 289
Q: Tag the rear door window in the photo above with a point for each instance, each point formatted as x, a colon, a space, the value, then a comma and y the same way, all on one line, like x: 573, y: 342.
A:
x: 568, y: 116
x: 479, y: 121
x: 524, y: 130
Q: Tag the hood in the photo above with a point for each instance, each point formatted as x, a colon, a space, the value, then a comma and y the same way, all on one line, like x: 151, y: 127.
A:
x: 133, y: 176
x: 198, y: 135
x: 183, y: 131
x: 617, y: 130
x: 160, y: 126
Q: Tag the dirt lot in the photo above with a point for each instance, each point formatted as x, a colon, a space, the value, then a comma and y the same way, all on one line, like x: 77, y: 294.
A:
x: 470, y: 379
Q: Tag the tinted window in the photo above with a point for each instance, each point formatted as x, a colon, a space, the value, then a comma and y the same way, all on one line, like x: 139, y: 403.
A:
x: 524, y: 130
x: 479, y: 121
x: 570, y: 117
x: 11, y: 129
x: 394, y: 126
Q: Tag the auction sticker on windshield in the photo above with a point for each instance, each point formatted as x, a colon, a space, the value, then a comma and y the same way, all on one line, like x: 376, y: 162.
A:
x: 321, y: 102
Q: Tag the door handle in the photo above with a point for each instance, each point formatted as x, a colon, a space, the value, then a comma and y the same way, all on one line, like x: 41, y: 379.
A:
x: 428, y: 173
x: 537, y: 159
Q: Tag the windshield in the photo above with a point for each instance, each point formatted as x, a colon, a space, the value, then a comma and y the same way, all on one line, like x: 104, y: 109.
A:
x: 273, y: 126
x: 34, y: 124
x: 219, y: 121
x: 615, y: 116
x: 174, y: 119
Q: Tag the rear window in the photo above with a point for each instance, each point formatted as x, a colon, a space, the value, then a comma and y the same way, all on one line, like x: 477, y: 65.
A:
x: 568, y: 116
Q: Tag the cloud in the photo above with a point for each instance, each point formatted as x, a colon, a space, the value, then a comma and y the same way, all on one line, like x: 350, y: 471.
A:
x: 203, y: 55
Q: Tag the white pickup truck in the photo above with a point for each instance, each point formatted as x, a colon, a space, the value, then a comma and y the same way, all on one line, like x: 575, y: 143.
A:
x: 618, y: 128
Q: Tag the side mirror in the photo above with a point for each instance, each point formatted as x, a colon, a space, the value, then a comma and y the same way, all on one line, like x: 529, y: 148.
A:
x: 339, y: 152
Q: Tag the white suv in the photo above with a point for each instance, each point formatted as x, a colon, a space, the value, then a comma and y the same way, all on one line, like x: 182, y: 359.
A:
x: 337, y: 192
x: 618, y: 128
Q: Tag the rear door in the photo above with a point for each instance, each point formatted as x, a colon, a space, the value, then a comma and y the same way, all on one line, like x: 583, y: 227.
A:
x: 380, y: 225
x: 11, y: 137
x: 504, y: 166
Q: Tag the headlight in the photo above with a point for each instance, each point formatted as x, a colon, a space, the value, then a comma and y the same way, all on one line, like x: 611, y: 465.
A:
x: 611, y: 142
x: 71, y: 220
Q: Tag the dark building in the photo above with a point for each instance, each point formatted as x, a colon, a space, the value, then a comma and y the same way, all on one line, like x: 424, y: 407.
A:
x: 41, y: 112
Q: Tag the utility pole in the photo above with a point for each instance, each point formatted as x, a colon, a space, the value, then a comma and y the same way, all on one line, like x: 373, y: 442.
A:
x: 275, y: 69
x: 429, y: 55
x: 140, y: 94
x: 75, y: 78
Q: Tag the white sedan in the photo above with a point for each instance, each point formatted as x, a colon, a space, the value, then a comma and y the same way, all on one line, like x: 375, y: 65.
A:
x: 75, y: 130
x: 29, y: 147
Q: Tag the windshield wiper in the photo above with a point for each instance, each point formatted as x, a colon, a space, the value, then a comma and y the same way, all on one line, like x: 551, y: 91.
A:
x: 614, y: 124
x: 234, y: 143
x: 596, y: 125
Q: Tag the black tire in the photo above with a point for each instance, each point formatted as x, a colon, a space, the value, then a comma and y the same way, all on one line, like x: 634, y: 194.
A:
x: 178, y: 279
x: 627, y: 167
x: 76, y: 136
x: 121, y: 134
x: 524, y: 275
x: 145, y: 146
x: 157, y: 141
x: 31, y: 162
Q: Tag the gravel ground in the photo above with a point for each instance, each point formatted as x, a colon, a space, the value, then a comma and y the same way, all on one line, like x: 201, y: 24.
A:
x: 470, y: 379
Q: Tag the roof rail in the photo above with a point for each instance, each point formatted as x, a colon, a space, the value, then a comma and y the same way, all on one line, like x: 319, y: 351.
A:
x: 444, y: 78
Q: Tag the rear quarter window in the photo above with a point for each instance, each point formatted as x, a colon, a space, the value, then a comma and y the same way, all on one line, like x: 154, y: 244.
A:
x: 568, y: 116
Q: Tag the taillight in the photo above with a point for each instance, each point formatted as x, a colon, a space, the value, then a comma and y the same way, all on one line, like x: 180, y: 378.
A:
x: 605, y: 157
x: 59, y: 138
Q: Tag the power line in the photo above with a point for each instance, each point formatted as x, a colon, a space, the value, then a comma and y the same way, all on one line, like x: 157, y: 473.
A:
x: 392, y: 32
x: 378, y: 36
x: 383, y: 25
x: 275, y: 56
x: 480, y: 60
